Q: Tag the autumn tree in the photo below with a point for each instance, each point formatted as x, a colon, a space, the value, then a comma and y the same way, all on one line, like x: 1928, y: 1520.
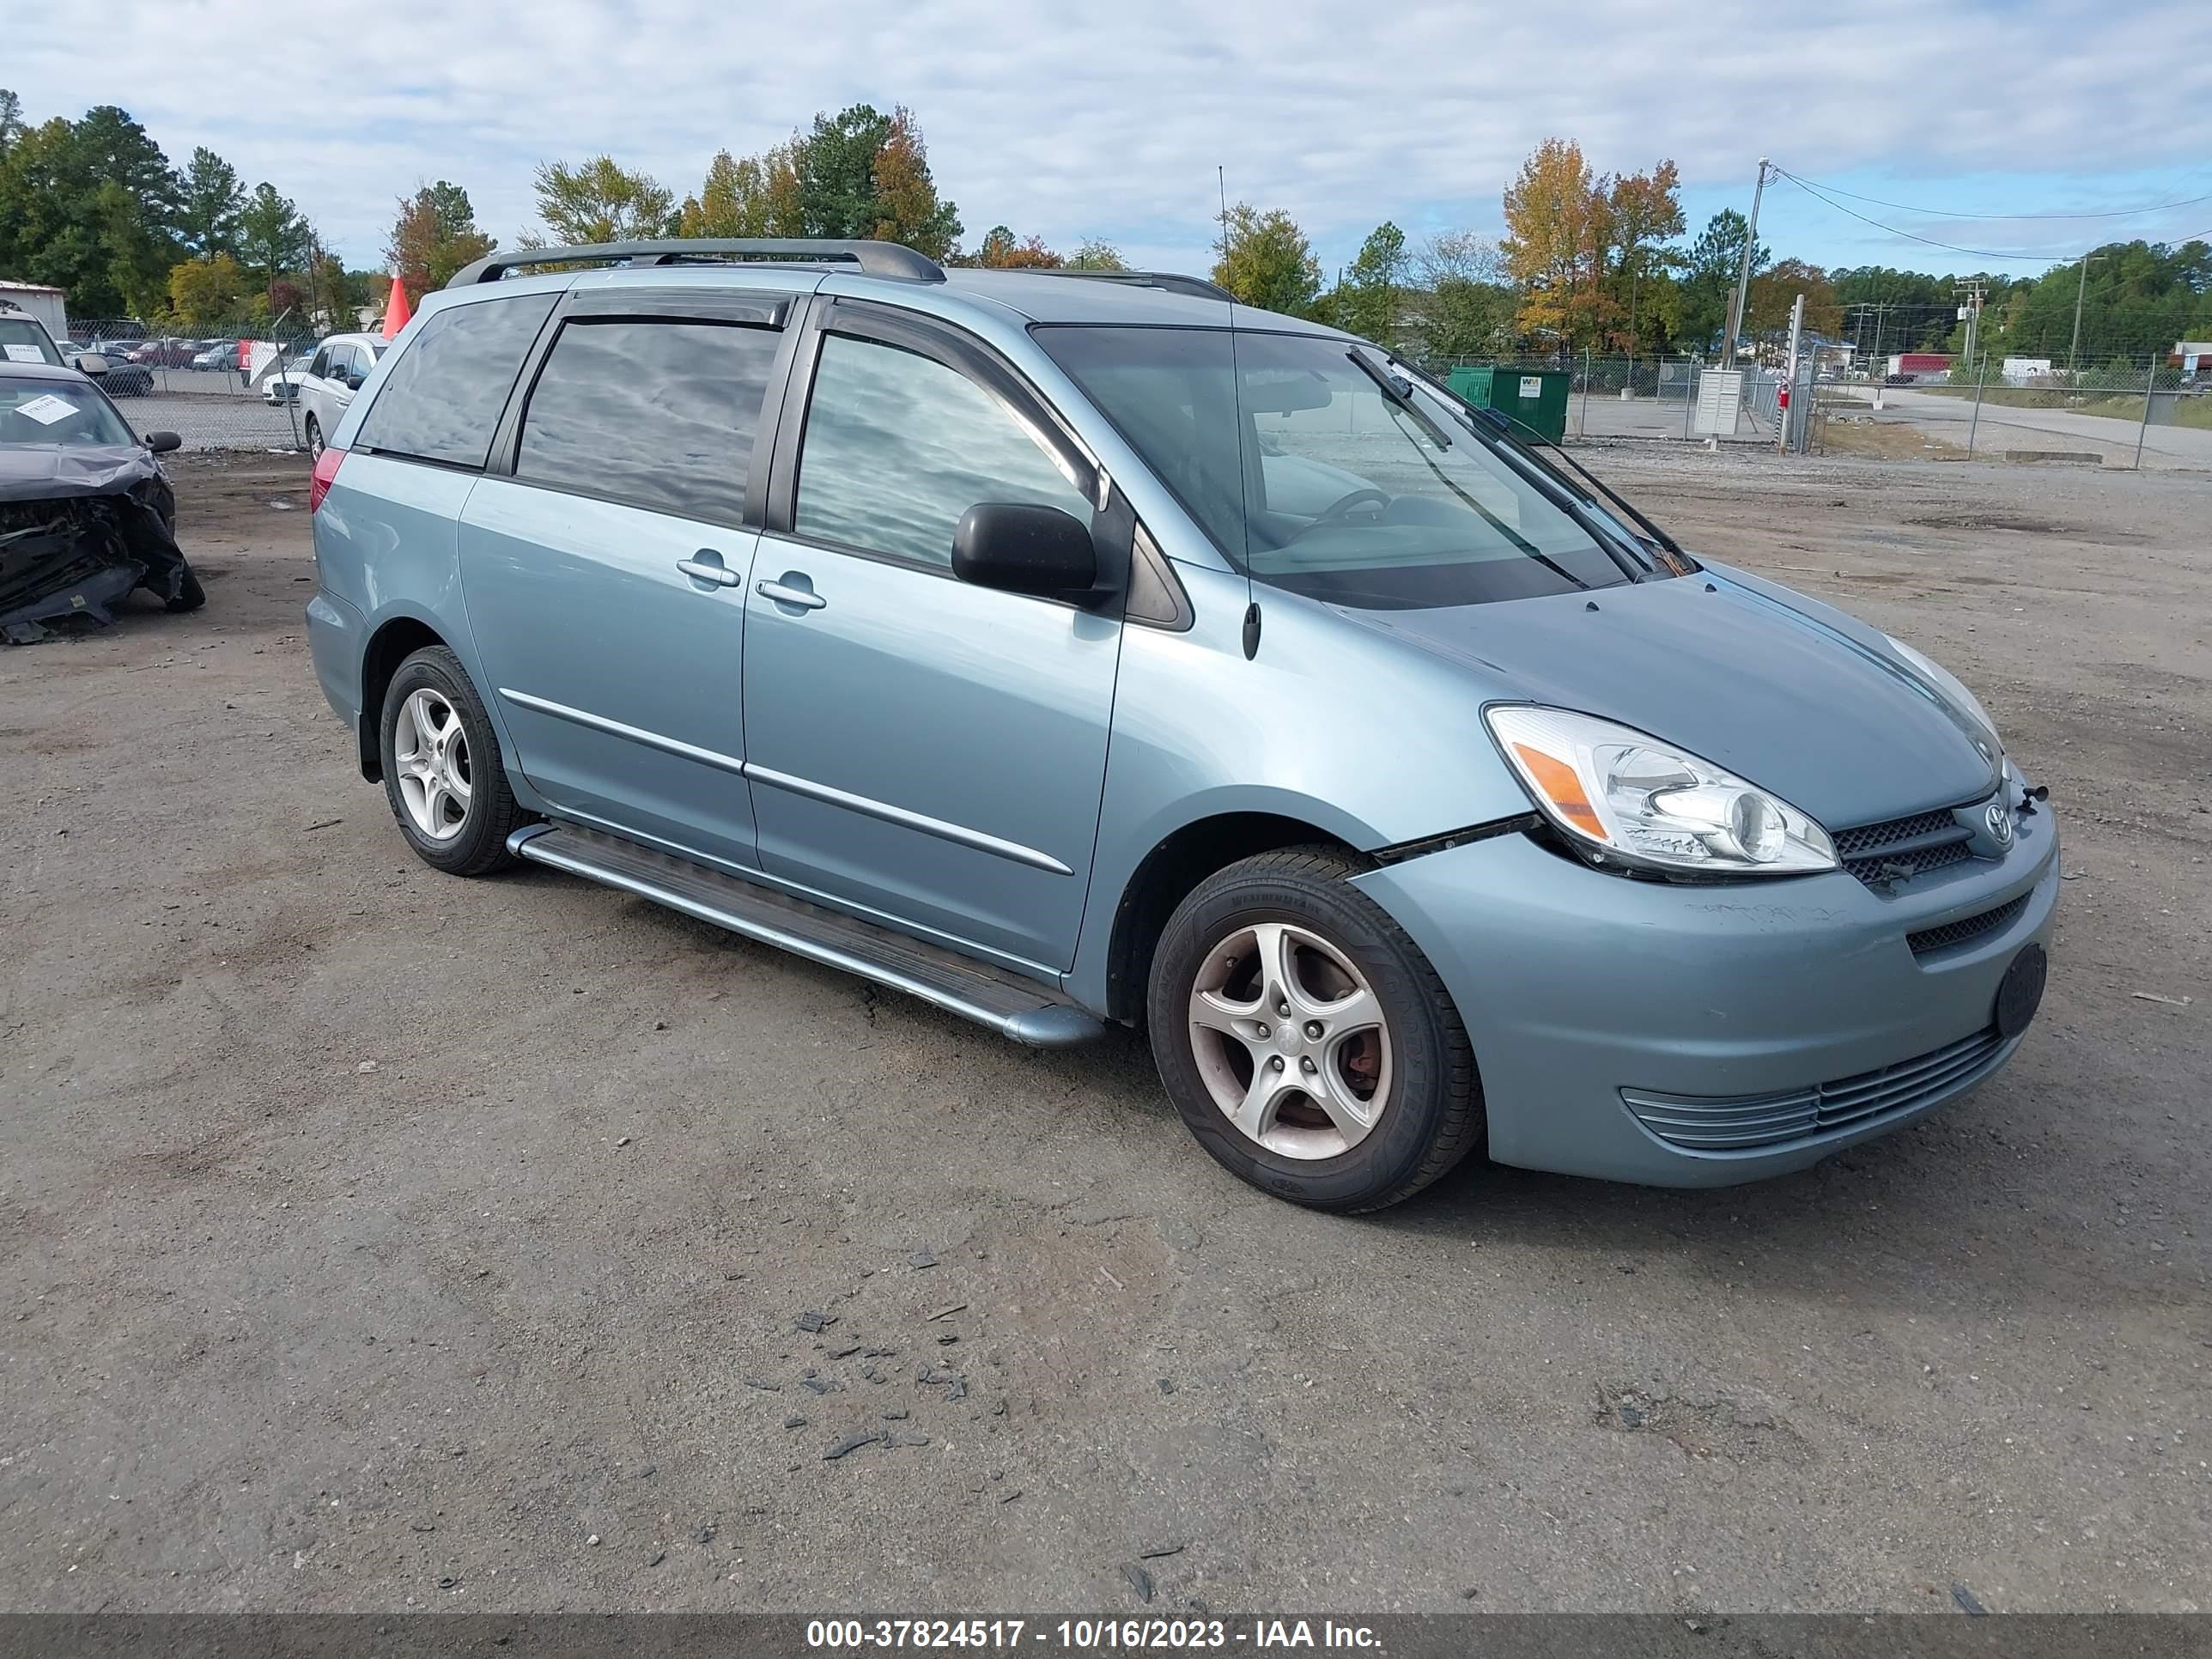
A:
x: 203, y: 292
x: 1774, y: 294
x: 907, y: 206
x: 1000, y: 251
x: 1644, y: 212
x: 755, y: 196
x: 1558, y: 225
x: 434, y: 235
x: 859, y: 173
x: 597, y: 201
x: 1266, y: 262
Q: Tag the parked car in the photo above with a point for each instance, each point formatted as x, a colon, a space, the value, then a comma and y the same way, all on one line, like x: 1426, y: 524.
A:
x: 223, y: 355
x: 126, y: 379
x: 169, y: 353
x: 946, y: 627
x: 340, y: 366
x: 281, y: 385
x: 86, y: 513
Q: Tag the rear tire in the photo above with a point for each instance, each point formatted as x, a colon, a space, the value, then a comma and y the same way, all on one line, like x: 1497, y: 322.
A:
x: 1394, y: 1100
x: 443, y: 775
x: 314, y: 433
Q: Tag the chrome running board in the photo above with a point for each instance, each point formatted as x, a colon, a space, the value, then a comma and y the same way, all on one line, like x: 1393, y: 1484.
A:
x: 1026, y: 1010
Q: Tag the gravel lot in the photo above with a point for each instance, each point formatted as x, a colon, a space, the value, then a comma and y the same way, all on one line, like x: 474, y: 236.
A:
x: 371, y: 1238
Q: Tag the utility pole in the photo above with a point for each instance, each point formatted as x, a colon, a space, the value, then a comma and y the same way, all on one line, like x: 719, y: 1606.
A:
x: 2080, y: 289
x: 1970, y: 312
x: 1743, y: 272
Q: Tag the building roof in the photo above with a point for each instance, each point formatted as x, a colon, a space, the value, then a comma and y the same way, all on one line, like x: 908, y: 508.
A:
x: 8, y: 287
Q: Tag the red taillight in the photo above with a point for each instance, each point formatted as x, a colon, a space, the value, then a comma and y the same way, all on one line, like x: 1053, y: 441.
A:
x: 327, y: 470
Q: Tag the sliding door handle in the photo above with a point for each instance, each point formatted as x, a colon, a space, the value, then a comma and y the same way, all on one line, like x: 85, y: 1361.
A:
x: 805, y: 599
x: 707, y: 566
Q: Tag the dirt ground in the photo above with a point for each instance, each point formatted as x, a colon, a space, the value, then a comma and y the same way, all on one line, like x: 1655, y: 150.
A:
x: 372, y: 1239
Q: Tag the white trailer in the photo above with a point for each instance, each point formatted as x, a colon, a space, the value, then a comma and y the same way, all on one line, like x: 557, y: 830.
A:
x: 49, y: 305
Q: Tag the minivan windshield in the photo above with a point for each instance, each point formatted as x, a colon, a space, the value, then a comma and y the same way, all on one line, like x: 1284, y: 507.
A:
x: 24, y: 340
x: 1317, y: 466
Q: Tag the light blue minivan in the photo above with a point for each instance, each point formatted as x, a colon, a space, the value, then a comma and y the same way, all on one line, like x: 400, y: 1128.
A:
x: 1071, y: 649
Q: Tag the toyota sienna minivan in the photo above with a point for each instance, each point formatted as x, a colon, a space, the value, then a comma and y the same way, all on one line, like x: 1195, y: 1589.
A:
x: 1070, y: 650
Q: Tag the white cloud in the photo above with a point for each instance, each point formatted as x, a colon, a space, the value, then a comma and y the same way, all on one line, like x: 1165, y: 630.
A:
x: 1111, y: 119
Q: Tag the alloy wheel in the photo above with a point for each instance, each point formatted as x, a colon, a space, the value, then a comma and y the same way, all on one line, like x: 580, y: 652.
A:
x: 431, y: 748
x: 1291, y: 1040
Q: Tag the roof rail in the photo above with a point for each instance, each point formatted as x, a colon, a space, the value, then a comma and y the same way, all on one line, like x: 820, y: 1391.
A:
x: 874, y: 258
x: 1169, y: 280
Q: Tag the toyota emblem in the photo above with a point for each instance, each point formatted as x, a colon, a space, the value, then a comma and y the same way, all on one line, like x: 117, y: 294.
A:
x: 2000, y: 822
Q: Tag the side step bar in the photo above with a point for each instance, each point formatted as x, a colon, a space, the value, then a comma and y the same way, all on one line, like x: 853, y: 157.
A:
x: 1023, y: 1009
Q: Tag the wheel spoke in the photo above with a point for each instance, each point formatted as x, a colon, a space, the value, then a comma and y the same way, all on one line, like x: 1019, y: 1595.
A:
x: 457, y: 787
x: 1255, y: 1116
x: 1355, y: 1012
x: 1353, y: 1116
x: 425, y: 729
x: 1216, y: 1013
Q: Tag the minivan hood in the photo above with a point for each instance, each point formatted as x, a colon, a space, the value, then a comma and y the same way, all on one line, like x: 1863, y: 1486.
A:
x: 1740, y: 672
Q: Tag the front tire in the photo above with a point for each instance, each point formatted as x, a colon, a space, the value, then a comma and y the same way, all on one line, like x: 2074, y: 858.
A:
x: 443, y: 771
x: 314, y: 432
x: 1305, y: 1039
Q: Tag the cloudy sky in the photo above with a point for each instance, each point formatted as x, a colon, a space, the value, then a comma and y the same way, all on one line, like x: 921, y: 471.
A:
x: 1072, y: 121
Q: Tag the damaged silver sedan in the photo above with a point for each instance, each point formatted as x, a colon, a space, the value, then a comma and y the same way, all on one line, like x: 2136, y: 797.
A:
x: 85, y: 516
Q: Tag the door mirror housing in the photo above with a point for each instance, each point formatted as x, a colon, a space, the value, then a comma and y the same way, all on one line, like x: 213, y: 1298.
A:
x: 1024, y: 547
x: 90, y: 362
x: 162, y: 442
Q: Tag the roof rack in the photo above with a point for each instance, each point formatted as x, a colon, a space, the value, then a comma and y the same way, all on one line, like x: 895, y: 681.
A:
x: 1171, y: 282
x: 874, y: 258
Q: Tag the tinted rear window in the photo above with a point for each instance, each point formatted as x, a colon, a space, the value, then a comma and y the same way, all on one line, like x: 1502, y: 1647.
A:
x: 444, y: 395
x: 657, y: 414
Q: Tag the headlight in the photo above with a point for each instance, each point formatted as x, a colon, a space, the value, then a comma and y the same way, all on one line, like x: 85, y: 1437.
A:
x: 1947, y: 684
x: 1646, y: 805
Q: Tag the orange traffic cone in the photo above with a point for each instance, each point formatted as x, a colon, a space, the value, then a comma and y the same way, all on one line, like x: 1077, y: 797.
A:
x: 395, y: 313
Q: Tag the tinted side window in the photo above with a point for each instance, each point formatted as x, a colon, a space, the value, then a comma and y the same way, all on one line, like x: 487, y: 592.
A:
x: 444, y: 395
x: 658, y: 414
x: 899, y: 446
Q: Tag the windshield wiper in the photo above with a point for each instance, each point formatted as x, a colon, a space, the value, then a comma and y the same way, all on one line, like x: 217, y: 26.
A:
x: 1677, y: 559
x: 1401, y: 394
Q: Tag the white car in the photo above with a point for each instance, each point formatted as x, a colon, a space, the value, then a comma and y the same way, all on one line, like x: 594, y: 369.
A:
x: 281, y: 386
x: 334, y: 375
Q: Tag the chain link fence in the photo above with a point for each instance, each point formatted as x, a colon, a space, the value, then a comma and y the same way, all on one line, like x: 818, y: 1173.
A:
x: 2148, y: 413
x: 2144, y: 413
x: 212, y: 386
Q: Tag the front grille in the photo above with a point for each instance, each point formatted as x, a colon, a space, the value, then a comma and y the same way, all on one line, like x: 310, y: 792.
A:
x: 1879, y: 854
x: 1743, y: 1122
x: 1966, y: 927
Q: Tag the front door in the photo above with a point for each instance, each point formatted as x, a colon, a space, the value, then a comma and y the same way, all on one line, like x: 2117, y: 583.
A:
x: 604, y: 580
x: 926, y: 749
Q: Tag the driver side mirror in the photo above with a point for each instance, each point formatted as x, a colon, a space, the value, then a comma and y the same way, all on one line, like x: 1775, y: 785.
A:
x: 1022, y: 547
x: 90, y: 362
x: 162, y: 442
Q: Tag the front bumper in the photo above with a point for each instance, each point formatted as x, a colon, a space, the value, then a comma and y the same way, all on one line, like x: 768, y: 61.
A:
x: 1581, y: 991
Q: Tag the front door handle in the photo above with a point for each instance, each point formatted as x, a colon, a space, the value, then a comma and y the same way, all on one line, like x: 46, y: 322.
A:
x: 783, y: 593
x: 707, y: 566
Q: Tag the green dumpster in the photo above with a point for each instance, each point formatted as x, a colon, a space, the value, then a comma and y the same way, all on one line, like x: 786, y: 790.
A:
x: 1535, y: 396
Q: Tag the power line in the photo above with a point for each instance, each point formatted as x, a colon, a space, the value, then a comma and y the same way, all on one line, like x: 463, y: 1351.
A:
x: 1938, y: 213
x: 1978, y: 252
